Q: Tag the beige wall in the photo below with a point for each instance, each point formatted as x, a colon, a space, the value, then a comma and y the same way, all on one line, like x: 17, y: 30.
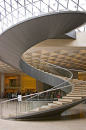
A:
x: 56, y: 44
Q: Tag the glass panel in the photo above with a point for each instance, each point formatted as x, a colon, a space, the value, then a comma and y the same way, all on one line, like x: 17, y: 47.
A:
x: 53, y: 5
x: 8, y: 109
x: 44, y: 7
x: 46, y: 100
x: 81, y: 29
x: 82, y: 3
x: 63, y: 2
x: 72, y: 5
x: 36, y: 8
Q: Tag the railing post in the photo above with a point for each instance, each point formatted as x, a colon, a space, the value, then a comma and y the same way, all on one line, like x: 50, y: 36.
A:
x: 16, y: 108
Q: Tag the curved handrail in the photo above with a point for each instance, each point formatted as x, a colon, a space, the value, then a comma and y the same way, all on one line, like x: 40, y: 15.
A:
x: 54, y: 88
x: 49, y: 90
x: 55, y: 66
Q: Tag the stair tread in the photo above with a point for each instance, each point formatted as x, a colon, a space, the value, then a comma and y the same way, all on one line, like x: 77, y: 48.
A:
x: 52, y: 105
x: 58, y: 102
x: 45, y: 106
x: 69, y: 97
x: 65, y: 100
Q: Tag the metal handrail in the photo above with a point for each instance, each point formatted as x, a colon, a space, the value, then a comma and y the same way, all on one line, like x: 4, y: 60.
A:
x: 39, y: 93
x: 49, y: 64
x: 59, y: 68
x: 53, y: 67
x: 48, y: 89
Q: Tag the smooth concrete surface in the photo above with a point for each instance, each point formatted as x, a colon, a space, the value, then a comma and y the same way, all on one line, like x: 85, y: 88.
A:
x: 72, y: 124
x: 79, y: 124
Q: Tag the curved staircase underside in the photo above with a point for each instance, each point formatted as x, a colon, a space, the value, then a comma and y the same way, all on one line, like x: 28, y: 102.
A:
x: 16, y: 40
x: 19, y: 38
x: 46, y: 112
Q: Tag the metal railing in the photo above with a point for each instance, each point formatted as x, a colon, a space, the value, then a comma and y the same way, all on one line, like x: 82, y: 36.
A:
x: 39, y: 101
x: 45, y: 96
x: 47, y: 67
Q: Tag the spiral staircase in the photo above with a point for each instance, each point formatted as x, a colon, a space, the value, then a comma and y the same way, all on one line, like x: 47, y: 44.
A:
x: 25, y: 35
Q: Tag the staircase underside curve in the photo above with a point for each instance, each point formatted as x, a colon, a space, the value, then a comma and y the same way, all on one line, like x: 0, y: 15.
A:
x: 16, y: 40
x: 46, y: 114
x: 19, y: 38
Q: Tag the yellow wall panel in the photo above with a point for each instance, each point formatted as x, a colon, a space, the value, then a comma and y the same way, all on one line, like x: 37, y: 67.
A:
x: 82, y: 76
x: 27, y: 82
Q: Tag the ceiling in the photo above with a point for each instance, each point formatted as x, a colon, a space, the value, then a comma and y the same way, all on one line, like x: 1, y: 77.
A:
x: 66, y: 58
x: 4, y: 68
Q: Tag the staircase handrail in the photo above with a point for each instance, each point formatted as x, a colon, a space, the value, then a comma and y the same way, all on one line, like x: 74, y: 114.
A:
x: 49, y: 64
x: 39, y: 93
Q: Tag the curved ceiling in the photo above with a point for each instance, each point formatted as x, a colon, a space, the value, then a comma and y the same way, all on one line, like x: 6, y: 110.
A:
x: 16, y: 40
x: 66, y: 57
x: 4, y: 68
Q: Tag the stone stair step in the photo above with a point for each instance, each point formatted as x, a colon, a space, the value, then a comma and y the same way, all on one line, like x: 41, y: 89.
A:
x: 34, y: 110
x: 65, y: 100
x: 12, y: 115
x: 43, y: 108
x: 79, y: 91
x: 84, y: 88
x: 80, y: 86
x: 77, y: 81
x: 59, y: 103
x: 78, y: 95
x: 69, y: 97
x: 73, y: 95
x: 52, y: 105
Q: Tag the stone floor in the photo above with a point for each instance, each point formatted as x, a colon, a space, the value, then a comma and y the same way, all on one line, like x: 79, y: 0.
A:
x: 79, y: 124
x: 64, y: 124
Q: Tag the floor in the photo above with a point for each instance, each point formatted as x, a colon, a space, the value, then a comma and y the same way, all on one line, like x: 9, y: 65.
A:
x: 62, y: 124
x: 79, y: 124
